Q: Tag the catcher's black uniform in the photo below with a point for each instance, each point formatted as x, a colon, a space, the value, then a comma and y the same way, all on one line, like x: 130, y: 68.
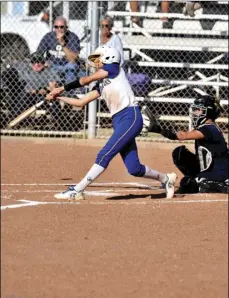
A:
x: 208, y: 166
x: 206, y: 170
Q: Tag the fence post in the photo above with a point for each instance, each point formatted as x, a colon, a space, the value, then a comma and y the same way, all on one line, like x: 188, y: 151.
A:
x: 50, y: 15
x: 217, y: 88
x: 66, y: 10
x: 93, y: 45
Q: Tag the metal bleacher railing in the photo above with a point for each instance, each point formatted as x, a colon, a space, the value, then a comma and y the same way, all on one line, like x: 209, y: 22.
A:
x: 186, y: 36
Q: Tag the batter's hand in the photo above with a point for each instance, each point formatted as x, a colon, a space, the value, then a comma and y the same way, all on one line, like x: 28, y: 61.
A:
x: 56, y: 91
x: 49, y: 97
x: 52, y: 85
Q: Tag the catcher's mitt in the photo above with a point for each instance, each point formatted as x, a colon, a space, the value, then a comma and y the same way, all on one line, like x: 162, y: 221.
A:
x: 149, y: 121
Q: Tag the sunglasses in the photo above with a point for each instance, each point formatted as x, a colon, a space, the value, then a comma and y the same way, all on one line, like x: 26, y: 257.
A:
x: 59, y: 27
x: 105, y: 26
x: 37, y: 61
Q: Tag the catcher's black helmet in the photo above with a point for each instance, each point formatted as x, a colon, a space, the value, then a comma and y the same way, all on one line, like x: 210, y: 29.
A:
x: 203, y: 108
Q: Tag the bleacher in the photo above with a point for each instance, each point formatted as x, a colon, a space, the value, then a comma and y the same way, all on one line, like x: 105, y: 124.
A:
x: 188, y: 59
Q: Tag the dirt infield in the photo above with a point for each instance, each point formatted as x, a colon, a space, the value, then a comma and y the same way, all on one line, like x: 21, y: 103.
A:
x: 125, y: 240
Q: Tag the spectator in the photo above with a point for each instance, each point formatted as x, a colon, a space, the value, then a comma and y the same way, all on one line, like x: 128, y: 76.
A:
x: 38, y: 78
x: 108, y: 38
x: 63, y: 47
x: 36, y: 74
x: 189, y: 9
x: 166, y: 23
x: 134, y: 7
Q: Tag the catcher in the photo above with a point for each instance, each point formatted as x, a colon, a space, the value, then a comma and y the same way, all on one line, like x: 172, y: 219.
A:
x: 206, y: 171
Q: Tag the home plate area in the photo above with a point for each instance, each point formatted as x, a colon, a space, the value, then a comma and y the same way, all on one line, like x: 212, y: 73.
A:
x: 34, y: 194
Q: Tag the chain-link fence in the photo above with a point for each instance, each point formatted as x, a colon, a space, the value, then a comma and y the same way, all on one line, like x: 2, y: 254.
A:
x: 173, y: 52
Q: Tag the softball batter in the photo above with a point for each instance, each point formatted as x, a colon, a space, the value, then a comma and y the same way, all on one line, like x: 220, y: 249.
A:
x: 114, y: 88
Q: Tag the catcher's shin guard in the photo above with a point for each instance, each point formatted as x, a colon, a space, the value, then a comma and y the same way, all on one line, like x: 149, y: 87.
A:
x: 186, y: 161
x: 202, y: 185
x: 207, y: 186
x: 188, y: 185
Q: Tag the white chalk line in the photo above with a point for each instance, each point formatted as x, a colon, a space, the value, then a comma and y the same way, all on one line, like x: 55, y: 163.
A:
x: 104, y: 193
x: 140, y: 185
x: 92, y: 193
x: 27, y: 203
x: 113, y: 192
x: 6, y: 194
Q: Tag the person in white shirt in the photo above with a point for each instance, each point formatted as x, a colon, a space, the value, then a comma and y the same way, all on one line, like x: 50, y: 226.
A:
x: 127, y: 121
x: 107, y: 38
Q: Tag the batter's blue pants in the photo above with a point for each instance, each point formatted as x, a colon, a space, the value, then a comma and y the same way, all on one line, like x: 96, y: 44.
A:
x: 127, y: 125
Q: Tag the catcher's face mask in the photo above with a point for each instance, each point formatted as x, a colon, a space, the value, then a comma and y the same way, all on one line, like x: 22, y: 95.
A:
x: 197, y: 114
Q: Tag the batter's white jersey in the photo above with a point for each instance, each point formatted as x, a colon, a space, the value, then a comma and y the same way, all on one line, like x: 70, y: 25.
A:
x: 117, y: 93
